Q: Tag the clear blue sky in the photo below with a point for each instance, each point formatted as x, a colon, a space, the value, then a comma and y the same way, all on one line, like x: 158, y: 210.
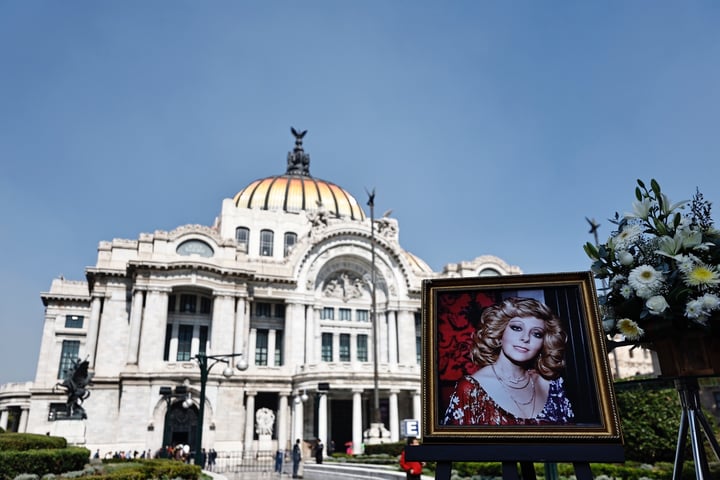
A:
x: 487, y: 127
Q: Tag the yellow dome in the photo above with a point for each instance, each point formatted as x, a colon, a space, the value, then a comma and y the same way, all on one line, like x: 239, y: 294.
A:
x: 295, y: 193
x: 297, y: 190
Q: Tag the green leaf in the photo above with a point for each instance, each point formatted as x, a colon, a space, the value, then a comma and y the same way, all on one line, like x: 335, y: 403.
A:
x: 640, y: 182
x: 638, y: 193
x: 591, y: 251
x: 655, y: 187
x: 676, y: 220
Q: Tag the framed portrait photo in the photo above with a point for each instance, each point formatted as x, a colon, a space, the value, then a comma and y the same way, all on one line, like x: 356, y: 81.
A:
x: 516, y: 358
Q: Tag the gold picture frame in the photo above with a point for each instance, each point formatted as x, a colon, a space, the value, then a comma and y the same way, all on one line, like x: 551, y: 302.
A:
x: 580, y: 405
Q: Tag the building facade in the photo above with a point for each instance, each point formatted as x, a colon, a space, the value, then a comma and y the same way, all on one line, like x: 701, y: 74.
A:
x: 320, y: 300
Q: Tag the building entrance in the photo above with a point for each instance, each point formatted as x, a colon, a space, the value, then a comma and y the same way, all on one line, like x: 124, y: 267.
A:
x: 180, y: 425
x: 341, y: 421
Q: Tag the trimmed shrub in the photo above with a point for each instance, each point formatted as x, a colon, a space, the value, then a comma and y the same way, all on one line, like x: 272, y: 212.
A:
x: 42, y: 461
x: 392, y: 449
x: 30, y: 441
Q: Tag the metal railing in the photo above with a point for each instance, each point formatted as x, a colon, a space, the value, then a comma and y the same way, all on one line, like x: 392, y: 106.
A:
x: 254, y: 461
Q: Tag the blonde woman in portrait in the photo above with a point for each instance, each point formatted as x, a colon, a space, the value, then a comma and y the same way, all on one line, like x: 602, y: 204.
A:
x: 519, y: 348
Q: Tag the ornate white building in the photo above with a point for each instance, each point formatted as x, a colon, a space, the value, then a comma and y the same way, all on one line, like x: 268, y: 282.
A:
x: 284, y: 276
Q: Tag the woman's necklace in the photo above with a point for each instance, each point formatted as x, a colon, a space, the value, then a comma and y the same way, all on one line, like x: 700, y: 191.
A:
x: 512, y: 382
x: 519, y: 404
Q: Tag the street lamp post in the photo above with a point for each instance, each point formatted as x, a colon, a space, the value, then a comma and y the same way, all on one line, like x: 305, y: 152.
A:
x: 206, y: 363
x: 376, y: 390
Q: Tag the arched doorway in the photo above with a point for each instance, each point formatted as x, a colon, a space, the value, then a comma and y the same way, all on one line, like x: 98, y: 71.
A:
x: 180, y: 425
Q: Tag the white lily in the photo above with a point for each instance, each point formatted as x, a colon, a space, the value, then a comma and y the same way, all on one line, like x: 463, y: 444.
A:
x: 641, y: 209
x: 668, y: 207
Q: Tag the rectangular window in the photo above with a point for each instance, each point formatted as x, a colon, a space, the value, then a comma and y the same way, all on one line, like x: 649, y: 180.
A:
x: 68, y: 355
x: 345, y: 314
x: 205, y: 305
x: 362, y: 315
x: 261, y: 347
x: 279, y: 310
x: 171, y: 303
x: 362, y: 348
x: 242, y: 236
x: 290, y: 241
x: 344, y: 347
x: 263, y: 309
x: 203, y: 338
x: 185, y: 335
x: 278, y: 348
x: 168, y: 337
x: 328, y: 313
x: 74, y: 321
x: 327, y: 347
x: 188, y: 303
x: 266, y: 243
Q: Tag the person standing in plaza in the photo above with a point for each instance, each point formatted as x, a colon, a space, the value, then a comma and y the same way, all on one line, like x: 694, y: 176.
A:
x: 296, y: 458
x: 319, y: 447
x: 413, y: 470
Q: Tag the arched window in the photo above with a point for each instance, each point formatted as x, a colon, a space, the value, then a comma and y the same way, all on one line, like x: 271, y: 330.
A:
x: 266, y: 243
x: 290, y: 241
x: 242, y: 237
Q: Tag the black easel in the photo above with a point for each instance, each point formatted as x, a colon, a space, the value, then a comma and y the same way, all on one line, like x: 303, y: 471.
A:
x: 693, y: 417
x: 513, y: 454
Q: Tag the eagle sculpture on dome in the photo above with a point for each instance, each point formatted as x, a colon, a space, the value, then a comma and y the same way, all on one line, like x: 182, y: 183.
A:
x: 298, y: 136
x: 298, y: 162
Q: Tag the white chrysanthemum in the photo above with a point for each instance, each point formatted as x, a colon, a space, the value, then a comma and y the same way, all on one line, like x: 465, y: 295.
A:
x: 701, y: 275
x: 627, y: 236
x: 645, y: 280
x: 626, y: 291
x: 656, y: 304
x: 630, y: 329
x: 694, y: 308
x: 685, y: 263
x: 710, y: 302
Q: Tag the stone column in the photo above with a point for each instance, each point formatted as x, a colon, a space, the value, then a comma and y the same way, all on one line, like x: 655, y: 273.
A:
x: 24, y: 414
x: 323, y: 419
x: 282, y: 422
x: 394, y: 417
x: 249, y: 421
x: 251, y: 346
x: 172, y: 356
x: 311, y: 314
x: 416, y: 406
x: 222, y: 331
x: 240, y: 337
x: 357, y: 422
x: 406, y: 342
x: 382, y: 337
x: 271, y: 349
x: 93, y: 331
x: 353, y: 349
x: 298, y: 410
x: 392, y: 339
x: 4, y: 419
x: 136, y: 317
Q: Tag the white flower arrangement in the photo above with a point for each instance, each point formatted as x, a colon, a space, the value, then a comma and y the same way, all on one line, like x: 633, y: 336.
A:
x: 662, y: 266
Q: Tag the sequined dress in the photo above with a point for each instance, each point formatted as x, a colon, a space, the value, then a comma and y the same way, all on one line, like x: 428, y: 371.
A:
x: 470, y: 404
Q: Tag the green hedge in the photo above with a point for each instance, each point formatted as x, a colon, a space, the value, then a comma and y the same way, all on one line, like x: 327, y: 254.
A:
x: 42, y: 461
x: 30, y: 441
x: 392, y: 449
x: 144, y: 469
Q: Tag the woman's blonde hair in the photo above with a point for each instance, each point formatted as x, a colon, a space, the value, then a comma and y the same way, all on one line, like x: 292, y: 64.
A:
x: 488, y: 337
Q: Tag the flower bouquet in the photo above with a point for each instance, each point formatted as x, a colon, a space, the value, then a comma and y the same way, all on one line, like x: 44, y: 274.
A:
x: 660, y: 270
